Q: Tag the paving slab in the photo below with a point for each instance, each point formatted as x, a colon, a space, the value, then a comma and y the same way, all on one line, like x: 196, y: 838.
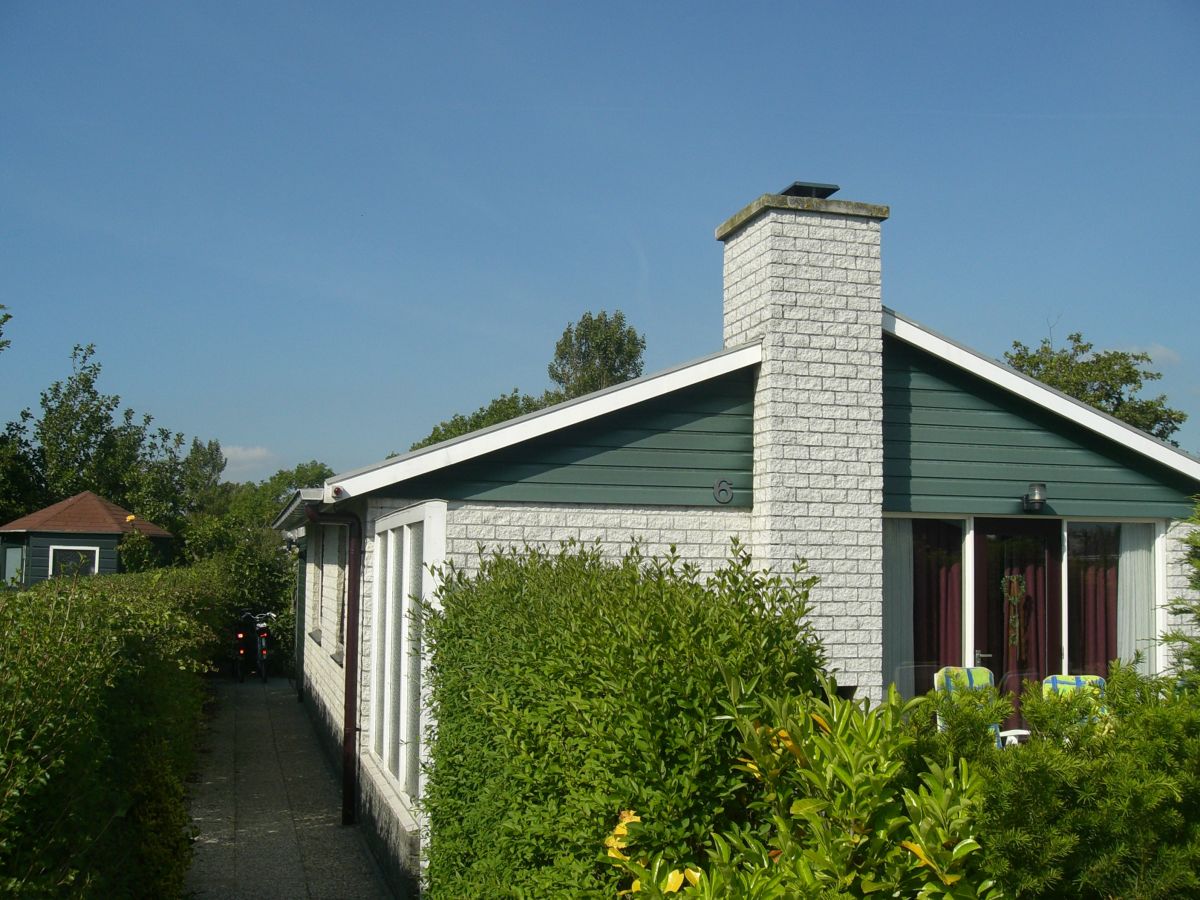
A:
x: 267, y: 805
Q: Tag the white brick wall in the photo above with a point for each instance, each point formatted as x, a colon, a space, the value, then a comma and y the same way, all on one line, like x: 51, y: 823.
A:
x: 806, y: 282
x: 700, y: 535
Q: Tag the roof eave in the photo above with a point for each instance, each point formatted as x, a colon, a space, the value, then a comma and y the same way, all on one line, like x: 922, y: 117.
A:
x: 1043, y: 395
x: 358, y: 482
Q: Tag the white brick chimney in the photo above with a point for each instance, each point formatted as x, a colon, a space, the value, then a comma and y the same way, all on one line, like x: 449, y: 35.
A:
x: 802, y: 273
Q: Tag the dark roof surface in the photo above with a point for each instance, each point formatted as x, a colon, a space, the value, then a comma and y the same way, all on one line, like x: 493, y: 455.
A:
x: 85, y: 513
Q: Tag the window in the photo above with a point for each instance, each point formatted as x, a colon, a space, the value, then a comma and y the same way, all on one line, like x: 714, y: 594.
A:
x: 72, y: 561
x: 14, y: 565
x: 1110, y: 595
x: 922, y: 600
x: 407, y: 543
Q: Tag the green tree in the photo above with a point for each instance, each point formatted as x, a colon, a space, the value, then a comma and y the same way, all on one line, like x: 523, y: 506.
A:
x: 1185, y: 641
x: 4, y: 317
x: 594, y: 353
x: 21, y: 487
x: 505, y: 407
x: 1109, y: 380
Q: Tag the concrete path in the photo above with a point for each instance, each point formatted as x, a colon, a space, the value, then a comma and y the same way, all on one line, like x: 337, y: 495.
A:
x: 268, y: 805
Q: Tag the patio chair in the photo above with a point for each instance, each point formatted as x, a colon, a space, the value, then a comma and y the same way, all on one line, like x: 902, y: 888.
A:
x: 974, y: 678
x: 1061, y: 685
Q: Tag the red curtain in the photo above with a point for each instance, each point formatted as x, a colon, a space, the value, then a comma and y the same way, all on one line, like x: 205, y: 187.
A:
x: 1092, y: 598
x: 937, y: 598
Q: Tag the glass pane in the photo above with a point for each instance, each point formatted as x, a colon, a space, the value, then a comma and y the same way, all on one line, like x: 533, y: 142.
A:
x: 379, y: 640
x: 70, y: 562
x: 1093, y: 552
x: 937, y: 546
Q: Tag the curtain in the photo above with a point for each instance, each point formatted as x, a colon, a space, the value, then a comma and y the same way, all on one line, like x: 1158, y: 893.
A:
x: 1135, y: 595
x: 1025, y: 620
x: 937, y: 598
x: 898, y: 604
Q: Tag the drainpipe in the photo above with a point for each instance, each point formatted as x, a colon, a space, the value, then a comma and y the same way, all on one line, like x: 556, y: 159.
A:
x: 350, y: 660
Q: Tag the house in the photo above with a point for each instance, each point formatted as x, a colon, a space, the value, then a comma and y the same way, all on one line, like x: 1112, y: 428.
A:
x: 76, y: 536
x: 956, y: 511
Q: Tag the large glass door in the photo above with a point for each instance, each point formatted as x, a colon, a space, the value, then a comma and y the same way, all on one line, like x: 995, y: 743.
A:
x: 1018, y: 599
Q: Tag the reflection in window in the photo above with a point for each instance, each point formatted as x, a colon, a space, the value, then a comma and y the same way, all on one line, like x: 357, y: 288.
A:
x: 72, y: 561
x: 922, y: 600
x: 1110, y: 595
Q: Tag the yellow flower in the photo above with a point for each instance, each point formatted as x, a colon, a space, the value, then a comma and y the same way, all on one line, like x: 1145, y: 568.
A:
x: 820, y: 720
x: 628, y: 815
x: 673, y: 883
x: 130, y: 517
x: 692, y: 875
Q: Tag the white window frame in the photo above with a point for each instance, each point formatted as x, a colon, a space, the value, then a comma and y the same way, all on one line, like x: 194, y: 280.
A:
x: 1157, y: 657
x: 73, y: 549
x: 396, y: 738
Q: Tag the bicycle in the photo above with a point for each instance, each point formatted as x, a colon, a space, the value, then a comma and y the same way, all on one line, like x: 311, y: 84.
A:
x: 253, y: 637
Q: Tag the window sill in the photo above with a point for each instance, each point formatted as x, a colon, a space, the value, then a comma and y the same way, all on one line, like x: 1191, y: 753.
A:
x: 339, y: 655
x: 315, y: 635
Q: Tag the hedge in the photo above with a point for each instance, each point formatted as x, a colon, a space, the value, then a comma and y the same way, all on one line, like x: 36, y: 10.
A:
x: 566, y: 689
x: 100, y: 700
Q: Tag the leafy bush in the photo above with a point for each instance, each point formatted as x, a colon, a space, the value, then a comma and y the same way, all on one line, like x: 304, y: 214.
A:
x: 1103, y: 801
x: 566, y: 688
x: 99, y: 703
x: 837, y: 814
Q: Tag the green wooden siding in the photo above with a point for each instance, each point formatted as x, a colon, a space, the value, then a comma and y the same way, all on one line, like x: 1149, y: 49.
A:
x: 669, y: 451
x: 956, y: 443
x: 37, y: 556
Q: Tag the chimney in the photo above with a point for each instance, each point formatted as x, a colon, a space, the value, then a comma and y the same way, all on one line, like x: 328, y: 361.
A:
x: 802, y: 275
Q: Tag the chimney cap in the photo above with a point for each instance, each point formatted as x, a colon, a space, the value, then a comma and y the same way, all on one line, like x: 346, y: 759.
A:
x: 810, y: 189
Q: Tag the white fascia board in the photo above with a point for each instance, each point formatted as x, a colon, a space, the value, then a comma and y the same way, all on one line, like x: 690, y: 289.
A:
x: 291, y: 514
x: 573, y: 412
x: 1046, y: 397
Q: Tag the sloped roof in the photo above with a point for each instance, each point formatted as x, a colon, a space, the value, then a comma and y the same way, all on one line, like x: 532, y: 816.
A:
x: 85, y: 513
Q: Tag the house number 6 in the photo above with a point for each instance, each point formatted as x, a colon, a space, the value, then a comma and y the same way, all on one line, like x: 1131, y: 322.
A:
x: 723, y: 491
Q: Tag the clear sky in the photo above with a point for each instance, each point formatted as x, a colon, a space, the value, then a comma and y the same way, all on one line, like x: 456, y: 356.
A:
x: 313, y: 230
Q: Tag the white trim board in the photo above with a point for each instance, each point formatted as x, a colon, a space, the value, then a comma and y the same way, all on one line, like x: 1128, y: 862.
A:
x: 536, y: 424
x: 1023, y: 386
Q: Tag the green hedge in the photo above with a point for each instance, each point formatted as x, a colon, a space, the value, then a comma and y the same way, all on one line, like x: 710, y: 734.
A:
x: 567, y: 689
x: 100, y: 699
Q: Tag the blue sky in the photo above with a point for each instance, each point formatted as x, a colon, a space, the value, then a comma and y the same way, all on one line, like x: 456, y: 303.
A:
x: 315, y: 230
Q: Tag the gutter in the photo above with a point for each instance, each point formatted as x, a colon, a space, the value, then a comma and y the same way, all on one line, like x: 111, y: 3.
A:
x: 350, y: 660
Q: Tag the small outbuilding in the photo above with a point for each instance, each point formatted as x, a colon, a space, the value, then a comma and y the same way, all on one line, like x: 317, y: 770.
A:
x: 76, y: 536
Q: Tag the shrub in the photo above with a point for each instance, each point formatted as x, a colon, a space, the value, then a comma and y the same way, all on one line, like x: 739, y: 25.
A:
x: 99, y: 704
x: 1100, y: 802
x: 837, y: 813
x: 566, y: 689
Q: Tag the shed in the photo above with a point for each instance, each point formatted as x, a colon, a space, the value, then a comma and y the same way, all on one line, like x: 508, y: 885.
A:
x: 76, y: 536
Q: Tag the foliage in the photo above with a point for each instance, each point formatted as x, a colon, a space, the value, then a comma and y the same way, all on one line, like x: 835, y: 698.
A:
x: 1109, y: 380
x: 505, y: 407
x: 138, y: 553
x: 566, y: 688
x: 99, y: 705
x: 1104, y: 799
x: 594, y: 353
x: 1186, y: 640
x: 4, y: 319
x: 837, y: 814
x: 83, y: 440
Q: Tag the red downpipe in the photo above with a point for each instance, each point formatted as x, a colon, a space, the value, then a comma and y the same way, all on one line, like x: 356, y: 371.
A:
x: 350, y: 660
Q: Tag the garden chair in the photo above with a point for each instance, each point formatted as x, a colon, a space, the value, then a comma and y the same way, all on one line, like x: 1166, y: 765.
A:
x: 1093, y: 685
x: 974, y: 678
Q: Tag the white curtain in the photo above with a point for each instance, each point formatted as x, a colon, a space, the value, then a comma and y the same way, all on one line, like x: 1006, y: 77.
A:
x: 1135, y: 594
x: 898, y: 650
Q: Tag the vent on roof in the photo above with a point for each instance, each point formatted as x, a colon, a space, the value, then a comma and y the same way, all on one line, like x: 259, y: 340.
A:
x: 809, y: 189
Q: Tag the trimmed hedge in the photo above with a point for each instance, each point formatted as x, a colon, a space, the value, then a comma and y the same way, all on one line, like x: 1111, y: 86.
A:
x: 566, y: 689
x: 100, y: 701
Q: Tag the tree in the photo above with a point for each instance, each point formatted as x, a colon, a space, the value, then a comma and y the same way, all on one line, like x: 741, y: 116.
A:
x: 21, y: 485
x: 1109, y: 380
x: 505, y: 407
x: 594, y: 353
x: 4, y: 317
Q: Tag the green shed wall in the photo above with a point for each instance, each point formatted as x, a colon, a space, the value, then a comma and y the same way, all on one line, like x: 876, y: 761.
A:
x: 37, y: 556
x: 667, y: 451
x: 956, y: 443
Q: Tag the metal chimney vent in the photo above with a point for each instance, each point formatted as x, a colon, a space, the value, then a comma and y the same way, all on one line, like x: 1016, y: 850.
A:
x: 810, y: 189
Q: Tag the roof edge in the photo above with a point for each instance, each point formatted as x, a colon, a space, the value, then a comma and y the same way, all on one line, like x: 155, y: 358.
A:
x: 357, y: 482
x: 802, y: 204
x: 1041, y: 394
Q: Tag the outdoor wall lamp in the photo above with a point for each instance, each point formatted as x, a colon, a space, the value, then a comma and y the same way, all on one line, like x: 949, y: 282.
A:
x: 1036, y: 498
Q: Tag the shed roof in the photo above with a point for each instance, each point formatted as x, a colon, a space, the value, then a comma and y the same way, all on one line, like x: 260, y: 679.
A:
x: 85, y: 513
